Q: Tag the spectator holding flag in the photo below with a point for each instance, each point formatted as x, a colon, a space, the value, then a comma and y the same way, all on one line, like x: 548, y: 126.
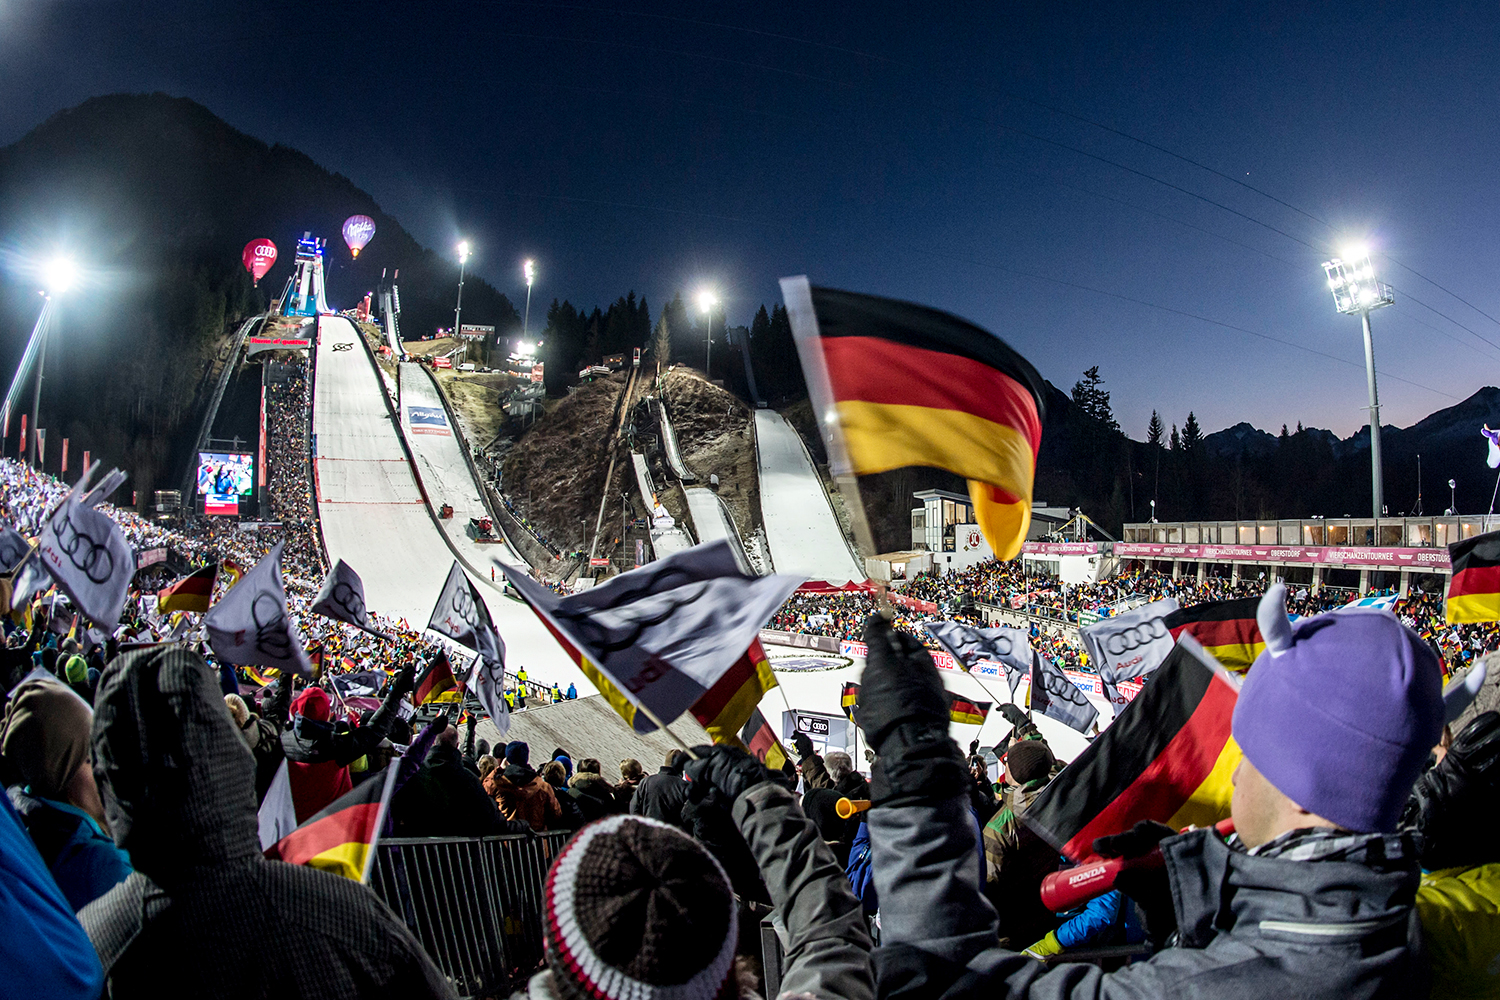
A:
x: 204, y: 914
x: 1311, y: 898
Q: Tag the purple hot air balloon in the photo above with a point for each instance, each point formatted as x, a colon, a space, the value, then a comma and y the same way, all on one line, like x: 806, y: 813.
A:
x: 358, y: 230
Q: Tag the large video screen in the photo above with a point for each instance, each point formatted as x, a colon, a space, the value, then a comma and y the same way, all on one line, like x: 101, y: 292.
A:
x: 223, y: 478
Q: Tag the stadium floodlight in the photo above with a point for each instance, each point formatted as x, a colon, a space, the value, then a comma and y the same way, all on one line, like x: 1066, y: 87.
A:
x: 458, y: 308
x: 706, y: 302
x: 529, y: 269
x: 59, y: 274
x: 1356, y: 292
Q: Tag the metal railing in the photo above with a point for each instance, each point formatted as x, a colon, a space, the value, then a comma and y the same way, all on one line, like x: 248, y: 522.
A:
x: 475, y: 903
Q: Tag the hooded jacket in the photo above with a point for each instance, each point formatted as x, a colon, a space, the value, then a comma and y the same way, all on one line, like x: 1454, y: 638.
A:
x: 1249, y: 926
x: 521, y: 794
x: 661, y: 796
x: 594, y: 796
x: 319, y: 752
x: 204, y: 914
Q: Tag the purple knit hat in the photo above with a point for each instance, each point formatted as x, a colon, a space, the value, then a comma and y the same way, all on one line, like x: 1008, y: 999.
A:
x: 1340, y: 712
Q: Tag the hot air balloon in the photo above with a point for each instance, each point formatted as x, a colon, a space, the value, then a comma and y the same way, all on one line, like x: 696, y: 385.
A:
x: 258, y: 256
x: 358, y: 230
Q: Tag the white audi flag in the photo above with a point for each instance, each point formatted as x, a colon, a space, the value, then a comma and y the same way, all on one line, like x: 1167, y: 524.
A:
x: 250, y: 625
x: 88, y: 556
x: 1130, y: 645
x: 487, y: 682
x: 461, y: 615
x: 343, y: 599
x: 1009, y: 647
x: 13, y: 548
x: 1056, y: 697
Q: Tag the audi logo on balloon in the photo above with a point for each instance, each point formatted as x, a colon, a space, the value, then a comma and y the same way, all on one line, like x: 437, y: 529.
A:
x: 265, y: 251
x: 1138, y: 635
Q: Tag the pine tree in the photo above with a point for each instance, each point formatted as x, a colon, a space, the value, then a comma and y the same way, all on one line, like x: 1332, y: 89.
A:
x: 1154, y: 430
x: 1176, y: 444
x: 1192, y: 435
x: 1153, y: 438
x: 661, y: 343
x: 1091, y: 398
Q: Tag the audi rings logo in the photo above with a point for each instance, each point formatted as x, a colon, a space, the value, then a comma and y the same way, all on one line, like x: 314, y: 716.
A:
x: 265, y: 251
x: 92, y: 558
x: 271, y: 636
x: 349, y: 601
x: 1136, y: 636
x: 344, y: 347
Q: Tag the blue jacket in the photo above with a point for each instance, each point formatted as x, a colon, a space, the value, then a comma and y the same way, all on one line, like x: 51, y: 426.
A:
x: 861, y: 875
x: 43, y: 946
x: 84, y: 860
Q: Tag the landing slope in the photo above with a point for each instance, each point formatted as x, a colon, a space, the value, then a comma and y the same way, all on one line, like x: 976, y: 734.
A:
x: 803, y: 533
x: 374, y: 518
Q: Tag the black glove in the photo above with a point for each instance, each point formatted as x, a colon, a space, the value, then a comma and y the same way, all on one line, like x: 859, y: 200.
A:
x: 729, y: 769
x: 802, y: 745
x: 1149, y: 887
x: 406, y: 680
x: 903, y: 710
x: 1013, y: 714
x: 900, y: 685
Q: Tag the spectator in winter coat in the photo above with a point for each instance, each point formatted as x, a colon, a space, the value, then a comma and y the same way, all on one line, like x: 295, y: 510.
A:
x: 631, y: 776
x: 204, y: 914
x: 555, y: 775
x: 821, y: 804
x: 46, y: 738
x: 443, y: 799
x: 593, y: 795
x: 861, y: 877
x: 1454, y: 810
x: 663, y: 794
x: 262, y: 733
x: 520, y: 793
x: 809, y: 764
x: 635, y: 908
x: 1104, y: 920
x: 1311, y: 898
x: 319, y: 752
x: 1015, y: 858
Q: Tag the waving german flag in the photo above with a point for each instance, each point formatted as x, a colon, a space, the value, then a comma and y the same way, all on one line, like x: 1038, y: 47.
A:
x: 897, y: 384
x: 191, y: 593
x: 1474, y: 591
x: 1226, y: 629
x: 969, y: 713
x: 341, y: 838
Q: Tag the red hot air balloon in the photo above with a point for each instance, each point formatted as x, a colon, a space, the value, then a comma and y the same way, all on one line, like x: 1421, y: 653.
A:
x: 358, y: 230
x: 258, y: 256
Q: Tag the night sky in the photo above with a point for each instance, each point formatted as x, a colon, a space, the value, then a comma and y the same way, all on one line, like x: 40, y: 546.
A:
x: 1011, y: 163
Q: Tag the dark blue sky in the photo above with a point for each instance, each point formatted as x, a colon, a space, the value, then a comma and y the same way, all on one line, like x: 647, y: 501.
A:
x: 944, y: 156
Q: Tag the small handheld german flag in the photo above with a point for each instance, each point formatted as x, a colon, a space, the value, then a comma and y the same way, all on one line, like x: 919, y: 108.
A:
x: 896, y: 385
x: 760, y: 739
x: 1227, y: 630
x: 438, y: 683
x: 969, y: 713
x: 191, y: 593
x: 1474, y: 590
x: 849, y: 698
x: 341, y: 838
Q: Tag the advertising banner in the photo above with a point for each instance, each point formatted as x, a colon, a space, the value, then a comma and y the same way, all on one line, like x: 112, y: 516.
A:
x: 471, y: 331
x: 427, y: 420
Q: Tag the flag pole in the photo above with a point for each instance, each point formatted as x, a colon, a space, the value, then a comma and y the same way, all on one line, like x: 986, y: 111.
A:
x: 641, y: 707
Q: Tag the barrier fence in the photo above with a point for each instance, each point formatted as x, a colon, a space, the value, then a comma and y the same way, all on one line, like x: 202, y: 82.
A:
x: 475, y: 903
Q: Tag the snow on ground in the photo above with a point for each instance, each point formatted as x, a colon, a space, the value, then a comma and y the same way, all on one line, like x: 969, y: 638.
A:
x: 374, y: 518
x: 801, y: 528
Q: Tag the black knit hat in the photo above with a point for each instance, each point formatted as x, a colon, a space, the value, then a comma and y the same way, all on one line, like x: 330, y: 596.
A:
x: 1029, y: 760
x: 635, y: 908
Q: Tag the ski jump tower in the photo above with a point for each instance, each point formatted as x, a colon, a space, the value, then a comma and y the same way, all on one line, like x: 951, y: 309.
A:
x: 303, y: 295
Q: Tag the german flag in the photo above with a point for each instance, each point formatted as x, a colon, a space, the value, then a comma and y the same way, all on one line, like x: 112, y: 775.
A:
x: 261, y: 677
x: 1474, y: 591
x: 438, y: 683
x: 341, y: 838
x: 759, y: 738
x: 725, y: 708
x: 897, y: 385
x: 191, y: 593
x: 969, y: 713
x: 1168, y: 756
x: 1226, y: 629
x: 849, y: 698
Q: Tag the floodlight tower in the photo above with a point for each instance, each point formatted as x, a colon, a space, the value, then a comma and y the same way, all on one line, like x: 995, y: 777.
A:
x: 706, y: 302
x: 1356, y: 292
x: 458, y: 308
x: 530, y: 271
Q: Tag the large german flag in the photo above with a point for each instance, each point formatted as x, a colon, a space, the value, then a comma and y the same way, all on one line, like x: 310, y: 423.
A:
x: 898, y: 384
x: 969, y: 713
x: 1168, y: 756
x: 759, y: 738
x: 341, y: 838
x: 725, y: 708
x: 1474, y: 591
x: 191, y: 593
x: 1227, y: 629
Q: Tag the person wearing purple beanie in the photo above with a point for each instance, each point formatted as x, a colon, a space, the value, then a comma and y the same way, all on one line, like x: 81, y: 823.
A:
x: 1311, y: 898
